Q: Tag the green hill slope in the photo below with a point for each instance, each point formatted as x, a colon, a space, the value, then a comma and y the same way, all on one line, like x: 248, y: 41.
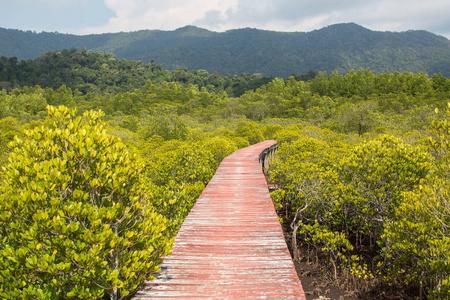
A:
x: 340, y: 47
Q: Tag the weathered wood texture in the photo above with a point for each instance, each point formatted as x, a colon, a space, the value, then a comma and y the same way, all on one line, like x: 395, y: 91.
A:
x: 231, y: 244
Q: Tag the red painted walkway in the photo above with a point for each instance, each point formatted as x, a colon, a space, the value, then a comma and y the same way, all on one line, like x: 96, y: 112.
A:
x: 231, y: 245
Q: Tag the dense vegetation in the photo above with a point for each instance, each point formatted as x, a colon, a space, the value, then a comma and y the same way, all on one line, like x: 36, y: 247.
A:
x: 95, y: 180
x: 341, y: 47
x: 98, y: 72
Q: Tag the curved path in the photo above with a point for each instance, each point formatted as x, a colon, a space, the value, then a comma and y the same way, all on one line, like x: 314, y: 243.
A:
x: 231, y: 245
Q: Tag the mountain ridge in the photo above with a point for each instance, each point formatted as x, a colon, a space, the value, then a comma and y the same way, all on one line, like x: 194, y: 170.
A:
x: 248, y: 50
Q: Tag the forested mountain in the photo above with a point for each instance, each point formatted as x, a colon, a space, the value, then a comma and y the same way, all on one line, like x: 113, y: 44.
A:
x: 341, y: 47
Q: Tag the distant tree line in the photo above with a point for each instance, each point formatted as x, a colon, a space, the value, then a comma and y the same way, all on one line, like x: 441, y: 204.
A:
x: 99, y: 72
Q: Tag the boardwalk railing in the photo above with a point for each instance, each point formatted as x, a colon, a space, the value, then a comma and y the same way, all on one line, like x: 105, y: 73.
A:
x: 266, y: 155
x: 231, y: 245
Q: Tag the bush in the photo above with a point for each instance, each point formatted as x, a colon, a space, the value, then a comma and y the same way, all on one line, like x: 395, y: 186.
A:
x: 75, y: 220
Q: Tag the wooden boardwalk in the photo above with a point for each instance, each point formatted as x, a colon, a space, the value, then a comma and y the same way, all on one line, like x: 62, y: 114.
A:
x: 231, y: 245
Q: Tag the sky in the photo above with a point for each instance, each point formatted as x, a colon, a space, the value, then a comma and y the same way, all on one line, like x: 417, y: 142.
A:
x: 101, y: 16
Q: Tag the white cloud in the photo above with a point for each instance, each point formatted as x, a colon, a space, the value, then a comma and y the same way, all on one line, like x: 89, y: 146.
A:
x: 402, y: 15
x: 305, y: 15
x: 280, y: 15
x: 152, y: 14
x: 98, y: 16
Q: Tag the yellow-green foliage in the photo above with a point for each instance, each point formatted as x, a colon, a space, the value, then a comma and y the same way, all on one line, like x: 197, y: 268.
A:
x: 249, y: 130
x: 420, y: 235
x: 378, y: 171
x: 220, y: 147
x: 386, y: 196
x: 178, y: 172
x: 8, y: 129
x: 75, y: 216
x: 343, y: 194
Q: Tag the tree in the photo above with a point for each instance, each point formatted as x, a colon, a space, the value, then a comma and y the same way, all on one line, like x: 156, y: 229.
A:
x: 220, y: 147
x: 167, y: 126
x: 250, y: 131
x: 301, y: 169
x: 376, y: 174
x: 75, y: 220
x: 421, y: 234
x: 8, y: 129
x: 178, y: 172
x: 359, y: 117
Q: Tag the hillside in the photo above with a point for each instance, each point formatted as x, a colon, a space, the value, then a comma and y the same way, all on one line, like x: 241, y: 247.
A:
x: 341, y: 47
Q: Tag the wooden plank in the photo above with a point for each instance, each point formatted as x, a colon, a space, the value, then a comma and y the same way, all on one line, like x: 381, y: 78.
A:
x: 231, y: 245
